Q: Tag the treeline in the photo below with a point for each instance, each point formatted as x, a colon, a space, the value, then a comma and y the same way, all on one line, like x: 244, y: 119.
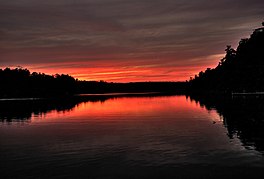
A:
x: 241, y: 70
x: 21, y: 82
x: 132, y: 87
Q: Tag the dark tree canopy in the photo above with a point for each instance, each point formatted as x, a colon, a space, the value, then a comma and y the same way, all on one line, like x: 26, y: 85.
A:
x: 240, y: 70
x: 20, y: 82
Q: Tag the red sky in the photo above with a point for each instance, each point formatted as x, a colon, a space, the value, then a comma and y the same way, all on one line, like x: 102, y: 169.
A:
x: 122, y: 41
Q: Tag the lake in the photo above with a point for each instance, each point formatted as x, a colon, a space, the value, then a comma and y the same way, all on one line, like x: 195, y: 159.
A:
x: 131, y: 137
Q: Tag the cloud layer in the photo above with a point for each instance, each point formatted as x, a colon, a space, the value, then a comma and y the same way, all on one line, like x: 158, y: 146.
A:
x: 123, y: 40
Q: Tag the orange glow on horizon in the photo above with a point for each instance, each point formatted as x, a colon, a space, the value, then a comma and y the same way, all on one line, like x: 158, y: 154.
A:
x: 129, y: 71
x: 123, y: 73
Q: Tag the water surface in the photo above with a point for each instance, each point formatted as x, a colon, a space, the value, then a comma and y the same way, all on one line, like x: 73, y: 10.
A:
x: 128, y: 137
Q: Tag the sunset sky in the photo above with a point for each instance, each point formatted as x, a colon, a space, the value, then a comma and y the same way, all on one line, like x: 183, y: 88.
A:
x: 123, y: 40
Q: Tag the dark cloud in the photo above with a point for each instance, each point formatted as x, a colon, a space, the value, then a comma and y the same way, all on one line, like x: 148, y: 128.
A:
x: 171, y: 31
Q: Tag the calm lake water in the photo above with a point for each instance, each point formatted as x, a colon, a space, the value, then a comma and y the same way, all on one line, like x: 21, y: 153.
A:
x: 126, y: 137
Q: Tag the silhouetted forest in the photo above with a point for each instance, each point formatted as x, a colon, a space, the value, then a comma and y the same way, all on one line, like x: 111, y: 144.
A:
x: 241, y: 70
x: 21, y: 82
x: 132, y: 87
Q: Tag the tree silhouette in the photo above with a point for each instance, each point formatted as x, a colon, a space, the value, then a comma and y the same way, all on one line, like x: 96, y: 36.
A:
x: 240, y: 70
x: 20, y: 82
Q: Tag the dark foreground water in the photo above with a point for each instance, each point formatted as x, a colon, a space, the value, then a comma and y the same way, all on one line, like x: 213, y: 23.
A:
x: 130, y: 137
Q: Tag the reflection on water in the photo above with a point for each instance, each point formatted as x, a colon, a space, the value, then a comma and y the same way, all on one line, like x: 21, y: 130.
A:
x: 23, y: 110
x: 243, y: 116
x: 132, y: 137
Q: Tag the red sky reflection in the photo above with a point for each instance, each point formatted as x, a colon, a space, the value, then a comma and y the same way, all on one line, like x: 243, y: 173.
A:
x: 133, y: 108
